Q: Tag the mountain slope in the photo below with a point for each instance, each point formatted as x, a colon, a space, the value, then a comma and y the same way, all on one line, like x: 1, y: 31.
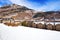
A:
x: 14, y: 10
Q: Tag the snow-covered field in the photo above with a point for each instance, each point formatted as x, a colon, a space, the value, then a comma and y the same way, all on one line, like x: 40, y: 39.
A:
x: 26, y: 33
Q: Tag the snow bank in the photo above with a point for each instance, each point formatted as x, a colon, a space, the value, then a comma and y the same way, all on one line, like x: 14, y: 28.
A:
x: 26, y: 33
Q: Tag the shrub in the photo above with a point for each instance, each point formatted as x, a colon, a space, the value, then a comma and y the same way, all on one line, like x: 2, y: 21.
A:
x: 50, y: 26
x: 24, y: 23
x: 58, y: 27
x: 40, y: 25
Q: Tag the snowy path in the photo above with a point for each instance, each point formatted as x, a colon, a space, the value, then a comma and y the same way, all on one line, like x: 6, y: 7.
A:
x: 26, y: 33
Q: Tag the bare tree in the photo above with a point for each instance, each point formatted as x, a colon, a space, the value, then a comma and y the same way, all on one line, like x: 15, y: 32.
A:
x: 54, y: 21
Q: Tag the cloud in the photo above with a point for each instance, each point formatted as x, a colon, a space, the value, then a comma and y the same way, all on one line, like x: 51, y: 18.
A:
x: 21, y: 2
x: 26, y: 3
x: 50, y: 6
x: 46, y: 6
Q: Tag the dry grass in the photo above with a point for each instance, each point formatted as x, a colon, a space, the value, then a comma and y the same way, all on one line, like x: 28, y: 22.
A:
x: 49, y: 26
x: 58, y: 27
x: 40, y: 25
x: 34, y: 25
x: 29, y: 24
x: 12, y: 24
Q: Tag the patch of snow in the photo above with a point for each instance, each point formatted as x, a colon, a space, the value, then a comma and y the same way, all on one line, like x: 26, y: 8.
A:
x: 39, y: 22
x: 53, y: 23
x: 26, y: 33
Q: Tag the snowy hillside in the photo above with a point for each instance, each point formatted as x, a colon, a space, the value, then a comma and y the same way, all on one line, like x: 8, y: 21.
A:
x: 26, y: 33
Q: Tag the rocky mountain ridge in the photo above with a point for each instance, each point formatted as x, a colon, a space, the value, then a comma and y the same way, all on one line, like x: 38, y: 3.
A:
x: 18, y: 12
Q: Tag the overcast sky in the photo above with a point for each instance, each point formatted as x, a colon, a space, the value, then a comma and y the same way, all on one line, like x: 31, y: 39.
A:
x: 40, y: 5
